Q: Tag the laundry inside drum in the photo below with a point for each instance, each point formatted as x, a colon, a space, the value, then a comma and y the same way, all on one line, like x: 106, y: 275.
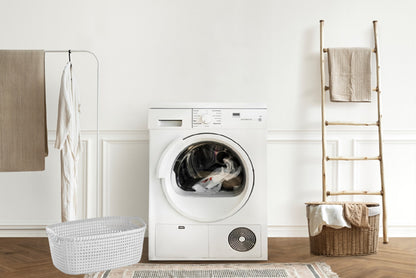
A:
x: 209, y: 168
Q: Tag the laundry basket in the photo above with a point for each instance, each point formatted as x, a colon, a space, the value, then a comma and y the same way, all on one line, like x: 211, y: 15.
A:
x: 347, y: 241
x: 96, y: 244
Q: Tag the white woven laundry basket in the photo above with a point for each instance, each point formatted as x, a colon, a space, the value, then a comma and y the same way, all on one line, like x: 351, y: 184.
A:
x: 96, y: 244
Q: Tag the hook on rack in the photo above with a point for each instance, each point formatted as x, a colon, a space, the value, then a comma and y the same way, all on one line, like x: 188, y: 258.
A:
x: 69, y: 55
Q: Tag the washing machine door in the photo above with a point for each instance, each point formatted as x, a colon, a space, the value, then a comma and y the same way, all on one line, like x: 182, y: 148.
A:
x: 206, y: 177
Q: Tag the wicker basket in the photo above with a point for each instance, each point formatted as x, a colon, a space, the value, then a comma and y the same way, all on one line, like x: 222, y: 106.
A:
x: 96, y: 244
x: 346, y: 241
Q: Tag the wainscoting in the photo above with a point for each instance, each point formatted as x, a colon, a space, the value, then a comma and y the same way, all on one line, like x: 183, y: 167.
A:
x: 29, y: 201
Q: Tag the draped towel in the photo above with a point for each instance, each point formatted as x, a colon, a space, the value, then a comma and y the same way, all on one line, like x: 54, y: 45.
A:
x: 356, y: 214
x: 325, y: 215
x: 23, y: 131
x: 349, y: 74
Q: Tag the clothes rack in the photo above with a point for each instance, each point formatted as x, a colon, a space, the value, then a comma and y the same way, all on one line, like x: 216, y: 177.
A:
x: 324, y: 123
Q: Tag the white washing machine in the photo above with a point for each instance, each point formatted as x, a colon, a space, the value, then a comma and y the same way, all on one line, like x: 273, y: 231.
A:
x: 207, y: 182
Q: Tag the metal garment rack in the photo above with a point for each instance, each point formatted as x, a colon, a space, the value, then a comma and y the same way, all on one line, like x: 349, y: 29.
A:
x: 69, y: 52
x: 326, y: 123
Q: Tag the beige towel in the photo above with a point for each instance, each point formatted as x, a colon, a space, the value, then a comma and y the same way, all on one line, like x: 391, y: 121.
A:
x: 23, y: 132
x: 356, y: 214
x: 350, y: 74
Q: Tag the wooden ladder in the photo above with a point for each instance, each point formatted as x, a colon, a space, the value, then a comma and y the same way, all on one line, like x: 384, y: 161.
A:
x: 326, y: 123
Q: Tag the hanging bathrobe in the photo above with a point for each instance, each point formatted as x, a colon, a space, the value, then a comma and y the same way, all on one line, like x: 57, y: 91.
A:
x: 68, y: 141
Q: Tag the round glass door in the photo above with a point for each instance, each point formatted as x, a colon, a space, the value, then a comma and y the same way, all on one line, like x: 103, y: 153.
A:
x: 206, y: 177
x: 209, y: 168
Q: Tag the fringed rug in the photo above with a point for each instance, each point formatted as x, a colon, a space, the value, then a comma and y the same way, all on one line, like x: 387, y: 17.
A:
x: 260, y: 270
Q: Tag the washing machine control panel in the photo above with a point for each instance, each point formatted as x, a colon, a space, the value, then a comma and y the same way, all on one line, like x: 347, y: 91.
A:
x: 206, y: 118
x: 228, y: 118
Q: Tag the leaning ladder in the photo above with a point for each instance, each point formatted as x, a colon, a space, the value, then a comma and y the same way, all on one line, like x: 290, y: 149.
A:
x: 325, y: 123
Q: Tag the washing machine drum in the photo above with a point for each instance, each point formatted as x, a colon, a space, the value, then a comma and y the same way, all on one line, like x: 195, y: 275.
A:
x: 209, y: 167
x: 206, y: 177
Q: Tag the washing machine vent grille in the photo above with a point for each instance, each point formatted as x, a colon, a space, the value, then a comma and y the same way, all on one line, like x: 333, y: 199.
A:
x: 242, y: 239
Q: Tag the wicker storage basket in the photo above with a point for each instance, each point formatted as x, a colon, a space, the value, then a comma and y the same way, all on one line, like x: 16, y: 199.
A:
x: 96, y: 244
x: 346, y: 241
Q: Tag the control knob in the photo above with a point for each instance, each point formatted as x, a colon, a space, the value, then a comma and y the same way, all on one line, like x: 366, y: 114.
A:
x: 206, y: 119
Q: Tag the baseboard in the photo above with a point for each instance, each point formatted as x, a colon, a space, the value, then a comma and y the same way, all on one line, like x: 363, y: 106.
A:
x: 401, y: 231
x: 287, y: 231
x: 22, y: 231
x: 302, y: 231
x: 273, y: 231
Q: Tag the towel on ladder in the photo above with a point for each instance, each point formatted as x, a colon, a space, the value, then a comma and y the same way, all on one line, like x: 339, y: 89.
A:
x: 349, y: 74
x: 23, y: 136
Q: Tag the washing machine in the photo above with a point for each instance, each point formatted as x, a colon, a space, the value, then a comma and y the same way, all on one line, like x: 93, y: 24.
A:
x: 207, y: 182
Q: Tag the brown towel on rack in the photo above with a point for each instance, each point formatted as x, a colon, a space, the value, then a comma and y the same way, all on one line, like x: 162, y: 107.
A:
x: 23, y: 132
x: 350, y: 74
x: 356, y: 214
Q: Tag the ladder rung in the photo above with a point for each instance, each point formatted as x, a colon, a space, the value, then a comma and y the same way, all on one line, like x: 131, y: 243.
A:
x: 372, y: 50
x: 352, y: 123
x: 353, y: 158
x: 329, y: 193
x: 374, y: 89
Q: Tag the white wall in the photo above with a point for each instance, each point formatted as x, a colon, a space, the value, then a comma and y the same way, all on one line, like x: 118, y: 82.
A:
x: 187, y: 50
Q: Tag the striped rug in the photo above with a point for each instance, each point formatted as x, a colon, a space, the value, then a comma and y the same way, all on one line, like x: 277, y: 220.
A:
x: 252, y: 270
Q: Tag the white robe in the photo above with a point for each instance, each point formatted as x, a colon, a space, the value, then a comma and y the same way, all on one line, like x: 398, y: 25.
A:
x: 68, y: 141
